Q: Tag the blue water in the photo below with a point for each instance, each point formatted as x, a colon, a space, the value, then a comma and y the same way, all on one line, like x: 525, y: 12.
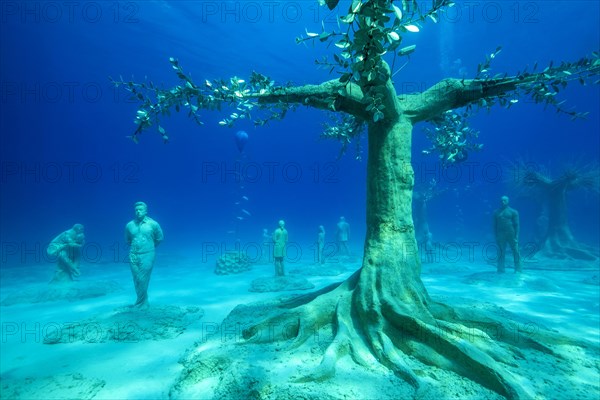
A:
x: 66, y: 159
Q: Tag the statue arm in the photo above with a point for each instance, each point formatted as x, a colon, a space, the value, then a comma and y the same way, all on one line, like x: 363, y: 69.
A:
x: 516, y: 223
x: 128, y: 237
x: 76, y: 240
x: 65, y: 260
x: 495, y: 222
x: 158, y: 234
x: 56, y: 245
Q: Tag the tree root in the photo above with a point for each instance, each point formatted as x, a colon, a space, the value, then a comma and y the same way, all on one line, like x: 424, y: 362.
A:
x: 472, y: 344
x: 569, y: 250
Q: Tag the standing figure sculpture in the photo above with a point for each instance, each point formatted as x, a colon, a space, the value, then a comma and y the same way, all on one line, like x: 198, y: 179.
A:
x: 343, y: 234
x: 321, y: 245
x: 429, y: 248
x: 66, y: 247
x: 506, y: 228
x: 265, y: 248
x: 280, y: 238
x: 143, y: 234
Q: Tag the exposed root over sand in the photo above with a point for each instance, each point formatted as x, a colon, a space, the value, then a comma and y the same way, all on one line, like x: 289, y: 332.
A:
x: 323, y: 344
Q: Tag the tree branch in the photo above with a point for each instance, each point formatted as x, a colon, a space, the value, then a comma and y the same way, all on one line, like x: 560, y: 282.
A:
x: 445, y: 95
x: 329, y: 95
x: 450, y: 94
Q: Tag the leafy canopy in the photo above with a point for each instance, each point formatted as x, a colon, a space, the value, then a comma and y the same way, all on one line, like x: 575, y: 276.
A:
x: 370, y: 33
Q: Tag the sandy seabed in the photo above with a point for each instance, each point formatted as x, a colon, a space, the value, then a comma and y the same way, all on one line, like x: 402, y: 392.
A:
x: 82, y: 342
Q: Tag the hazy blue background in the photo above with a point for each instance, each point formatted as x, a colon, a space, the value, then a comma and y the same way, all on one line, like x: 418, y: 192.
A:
x: 66, y: 158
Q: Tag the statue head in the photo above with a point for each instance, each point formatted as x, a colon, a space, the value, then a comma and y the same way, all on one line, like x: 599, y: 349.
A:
x: 281, y: 223
x: 141, y: 210
x: 504, y: 200
x: 76, y: 233
x: 77, y: 228
x: 321, y: 228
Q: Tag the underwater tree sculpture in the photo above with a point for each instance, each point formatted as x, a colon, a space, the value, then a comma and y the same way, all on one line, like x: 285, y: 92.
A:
x: 556, y: 239
x: 382, y: 315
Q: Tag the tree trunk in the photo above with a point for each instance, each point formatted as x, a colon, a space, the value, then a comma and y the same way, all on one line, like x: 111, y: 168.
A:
x: 559, y: 233
x: 559, y: 240
x: 391, y: 266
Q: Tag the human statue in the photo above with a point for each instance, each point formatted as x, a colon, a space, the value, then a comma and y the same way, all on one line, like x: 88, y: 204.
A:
x: 321, y: 245
x: 266, y: 235
x: 343, y: 234
x: 66, y: 247
x: 280, y: 238
x: 506, y: 228
x: 267, y: 242
x: 429, y: 247
x: 143, y: 234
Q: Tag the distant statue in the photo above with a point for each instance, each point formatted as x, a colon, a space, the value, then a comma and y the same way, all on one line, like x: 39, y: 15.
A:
x: 321, y: 245
x: 66, y: 247
x: 343, y: 234
x: 266, y: 235
x: 267, y: 242
x: 422, y: 195
x: 280, y: 238
x: 429, y: 247
x: 506, y: 228
x: 143, y: 234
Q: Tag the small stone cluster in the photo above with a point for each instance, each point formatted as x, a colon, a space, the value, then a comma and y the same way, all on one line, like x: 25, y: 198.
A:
x: 232, y: 263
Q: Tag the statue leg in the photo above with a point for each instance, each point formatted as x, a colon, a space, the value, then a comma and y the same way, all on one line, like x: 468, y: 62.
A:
x: 501, y: 253
x: 514, y: 246
x: 75, y: 262
x: 60, y: 275
x: 343, y: 248
x: 141, y: 269
x: 278, y: 266
x: 63, y: 271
